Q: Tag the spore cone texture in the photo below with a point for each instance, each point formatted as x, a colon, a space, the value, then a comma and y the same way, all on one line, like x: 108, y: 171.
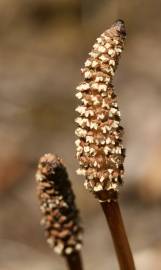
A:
x: 99, y: 145
x: 57, y: 203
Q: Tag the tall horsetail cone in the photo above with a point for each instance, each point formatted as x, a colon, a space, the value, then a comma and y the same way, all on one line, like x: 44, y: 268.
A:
x: 99, y: 145
x: 57, y: 204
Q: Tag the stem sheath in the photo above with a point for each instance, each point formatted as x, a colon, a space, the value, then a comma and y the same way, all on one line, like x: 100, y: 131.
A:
x: 122, y: 247
x: 74, y: 261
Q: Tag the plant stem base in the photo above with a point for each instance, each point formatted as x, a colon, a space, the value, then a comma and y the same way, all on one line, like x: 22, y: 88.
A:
x: 122, y: 247
x: 74, y: 261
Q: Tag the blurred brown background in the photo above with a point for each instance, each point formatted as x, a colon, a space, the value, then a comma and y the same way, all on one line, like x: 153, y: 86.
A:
x: 43, y: 44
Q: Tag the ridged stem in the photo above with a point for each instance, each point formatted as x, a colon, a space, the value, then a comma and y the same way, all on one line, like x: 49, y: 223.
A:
x: 74, y: 261
x: 121, y: 243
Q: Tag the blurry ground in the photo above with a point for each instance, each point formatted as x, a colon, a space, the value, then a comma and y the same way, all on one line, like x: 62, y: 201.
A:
x: 43, y: 45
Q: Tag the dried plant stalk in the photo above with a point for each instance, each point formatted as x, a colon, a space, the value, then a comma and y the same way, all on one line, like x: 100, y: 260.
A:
x: 60, y: 215
x: 100, y: 151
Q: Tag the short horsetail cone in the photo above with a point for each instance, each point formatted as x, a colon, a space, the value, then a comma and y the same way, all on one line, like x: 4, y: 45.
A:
x: 99, y: 145
x: 57, y: 204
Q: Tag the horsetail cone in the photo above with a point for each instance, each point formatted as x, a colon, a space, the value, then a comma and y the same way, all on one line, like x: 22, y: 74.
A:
x: 57, y: 204
x: 99, y: 145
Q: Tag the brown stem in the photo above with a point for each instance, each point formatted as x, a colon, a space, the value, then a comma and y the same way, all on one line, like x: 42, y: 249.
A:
x: 74, y: 261
x: 122, y: 247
